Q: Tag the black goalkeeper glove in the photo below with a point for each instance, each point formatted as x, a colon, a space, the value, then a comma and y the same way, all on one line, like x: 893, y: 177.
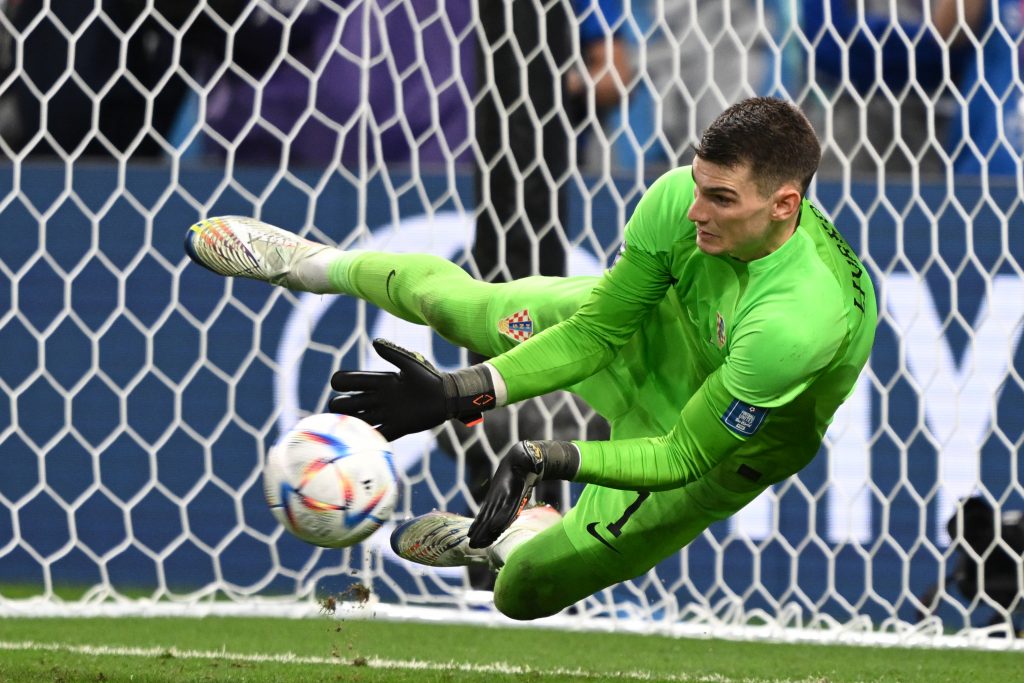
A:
x: 415, y: 398
x: 518, y: 472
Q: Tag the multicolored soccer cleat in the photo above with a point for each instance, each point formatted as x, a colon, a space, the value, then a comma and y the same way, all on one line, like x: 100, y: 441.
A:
x: 237, y: 246
x: 437, y: 539
x: 441, y: 539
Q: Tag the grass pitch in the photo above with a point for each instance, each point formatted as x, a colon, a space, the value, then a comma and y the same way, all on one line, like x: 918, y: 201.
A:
x: 330, y: 649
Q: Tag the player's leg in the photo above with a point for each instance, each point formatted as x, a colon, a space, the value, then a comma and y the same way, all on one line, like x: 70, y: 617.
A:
x: 610, y: 536
x: 542, y: 569
x: 419, y: 288
x: 546, y: 575
x: 548, y: 563
x: 431, y: 291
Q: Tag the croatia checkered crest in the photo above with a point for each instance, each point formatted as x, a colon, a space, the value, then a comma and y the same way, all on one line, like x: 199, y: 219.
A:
x: 331, y: 480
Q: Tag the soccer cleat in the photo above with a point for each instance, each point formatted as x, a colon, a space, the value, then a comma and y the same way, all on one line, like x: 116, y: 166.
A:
x: 534, y: 519
x: 237, y: 246
x: 437, y: 539
x: 528, y: 524
x: 441, y: 539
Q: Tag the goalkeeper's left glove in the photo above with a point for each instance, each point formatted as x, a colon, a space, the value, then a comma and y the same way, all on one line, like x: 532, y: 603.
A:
x: 518, y: 472
x: 415, y: 398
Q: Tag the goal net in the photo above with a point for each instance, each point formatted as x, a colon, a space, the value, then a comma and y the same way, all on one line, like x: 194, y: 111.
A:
x: 140, y: 393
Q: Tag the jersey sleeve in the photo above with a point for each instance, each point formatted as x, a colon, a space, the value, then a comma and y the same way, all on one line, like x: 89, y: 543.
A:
x: 588, y: 340
x: 699, y: 441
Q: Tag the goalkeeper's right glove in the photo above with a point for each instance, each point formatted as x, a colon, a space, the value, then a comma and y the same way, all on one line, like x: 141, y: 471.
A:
x: 415, y: 398
x: 512, y: 483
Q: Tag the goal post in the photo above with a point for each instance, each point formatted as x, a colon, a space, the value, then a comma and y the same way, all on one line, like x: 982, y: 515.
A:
x: 141, y: 393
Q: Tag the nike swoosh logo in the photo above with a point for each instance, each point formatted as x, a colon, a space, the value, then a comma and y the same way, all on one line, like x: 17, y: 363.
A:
x: 592, y: 530
x: 387, y: 285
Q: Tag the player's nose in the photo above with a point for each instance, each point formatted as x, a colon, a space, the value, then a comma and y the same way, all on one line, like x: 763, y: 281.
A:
x: 698, y: 212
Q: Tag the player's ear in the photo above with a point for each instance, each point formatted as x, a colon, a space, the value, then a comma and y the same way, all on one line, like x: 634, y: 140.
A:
x: 785, y: 202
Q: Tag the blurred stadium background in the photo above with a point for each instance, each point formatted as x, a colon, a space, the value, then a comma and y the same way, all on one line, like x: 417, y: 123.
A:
x: 140, y: 393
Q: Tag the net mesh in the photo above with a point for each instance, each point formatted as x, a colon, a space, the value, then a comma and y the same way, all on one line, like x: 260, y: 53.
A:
x: 141, y: 393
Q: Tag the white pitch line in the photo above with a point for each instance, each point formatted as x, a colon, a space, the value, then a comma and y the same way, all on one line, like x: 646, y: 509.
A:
x: 371, y: 662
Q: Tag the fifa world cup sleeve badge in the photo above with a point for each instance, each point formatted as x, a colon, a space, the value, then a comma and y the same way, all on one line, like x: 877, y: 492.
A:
x: 518, y: 327
x: 743, y: 418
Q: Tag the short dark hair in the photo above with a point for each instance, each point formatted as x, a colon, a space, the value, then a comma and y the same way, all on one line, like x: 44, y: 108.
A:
x: 770, y: 134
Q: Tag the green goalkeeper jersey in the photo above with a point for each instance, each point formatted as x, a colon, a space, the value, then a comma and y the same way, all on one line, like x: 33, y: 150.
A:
x: 726, y: 359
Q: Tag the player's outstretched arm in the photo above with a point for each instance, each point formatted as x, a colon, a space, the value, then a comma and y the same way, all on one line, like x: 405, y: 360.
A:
x: 415, y: 398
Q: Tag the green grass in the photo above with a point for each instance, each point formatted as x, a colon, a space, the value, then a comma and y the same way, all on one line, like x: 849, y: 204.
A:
x: 19, y: 591
x: 328, y: 649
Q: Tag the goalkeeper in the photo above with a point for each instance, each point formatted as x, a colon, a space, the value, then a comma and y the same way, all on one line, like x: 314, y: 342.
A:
x: 719, y: 345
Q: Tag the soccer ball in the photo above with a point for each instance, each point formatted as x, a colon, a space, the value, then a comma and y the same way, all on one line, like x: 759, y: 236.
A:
x: 331, y: 480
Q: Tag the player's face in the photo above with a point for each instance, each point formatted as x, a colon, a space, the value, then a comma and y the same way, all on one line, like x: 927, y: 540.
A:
x: 733, y: 217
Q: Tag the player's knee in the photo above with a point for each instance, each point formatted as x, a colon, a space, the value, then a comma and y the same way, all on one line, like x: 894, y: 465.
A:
x: 524, y: 593
x: 523, y: 608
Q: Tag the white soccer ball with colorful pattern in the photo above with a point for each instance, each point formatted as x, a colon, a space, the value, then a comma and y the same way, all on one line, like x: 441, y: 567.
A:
x: 331, y: 480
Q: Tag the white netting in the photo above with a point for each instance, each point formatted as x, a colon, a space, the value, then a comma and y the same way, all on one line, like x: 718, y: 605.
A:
x: 141, y: 392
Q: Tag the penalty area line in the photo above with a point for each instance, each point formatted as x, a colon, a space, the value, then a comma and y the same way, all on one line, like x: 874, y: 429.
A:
x: 370, y: 662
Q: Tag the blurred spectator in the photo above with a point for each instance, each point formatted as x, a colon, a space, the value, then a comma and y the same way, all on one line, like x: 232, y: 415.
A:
x: 703, y: 57
x: 354, y: 80
x: 985, y: 132
x: 59, y: 96
x: 605, y: 69
x: 390, y: 82
x: 987, y: 554
x: 930, y: 71
x: 871, y: 127
x: 604, y: 47
x: 372, y: 80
